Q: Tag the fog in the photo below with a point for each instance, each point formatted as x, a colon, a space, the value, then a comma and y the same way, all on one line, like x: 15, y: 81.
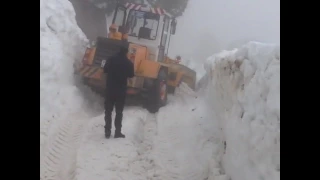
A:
x: 209, y: 26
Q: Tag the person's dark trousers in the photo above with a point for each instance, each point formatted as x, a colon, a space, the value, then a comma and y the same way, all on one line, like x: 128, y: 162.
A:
x: 117, y: 100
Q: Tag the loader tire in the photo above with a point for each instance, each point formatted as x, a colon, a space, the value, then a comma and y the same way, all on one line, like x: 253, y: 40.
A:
x: 158, y: 94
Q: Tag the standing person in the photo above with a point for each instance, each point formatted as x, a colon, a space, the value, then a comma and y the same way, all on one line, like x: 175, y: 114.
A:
x: 118, y: 69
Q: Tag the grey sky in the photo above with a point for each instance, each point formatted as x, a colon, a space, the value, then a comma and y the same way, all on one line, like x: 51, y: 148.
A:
x: 209, y: 26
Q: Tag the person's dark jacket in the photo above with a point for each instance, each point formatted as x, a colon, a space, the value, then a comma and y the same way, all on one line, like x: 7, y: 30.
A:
x: 118, y: 68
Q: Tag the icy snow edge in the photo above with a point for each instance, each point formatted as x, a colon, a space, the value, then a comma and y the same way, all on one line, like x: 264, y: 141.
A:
x: 244, y: 94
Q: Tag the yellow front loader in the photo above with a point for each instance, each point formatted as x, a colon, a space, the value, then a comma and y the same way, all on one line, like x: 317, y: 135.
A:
x: 146, y: 33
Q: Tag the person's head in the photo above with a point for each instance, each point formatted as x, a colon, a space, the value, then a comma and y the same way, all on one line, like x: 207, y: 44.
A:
x: 113, y: 28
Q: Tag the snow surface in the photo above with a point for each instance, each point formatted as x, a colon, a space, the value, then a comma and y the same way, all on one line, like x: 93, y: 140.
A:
x: 239, y: 108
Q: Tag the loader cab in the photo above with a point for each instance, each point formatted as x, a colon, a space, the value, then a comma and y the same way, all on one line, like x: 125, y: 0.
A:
x: 142, y: 25
x: 145, y: 26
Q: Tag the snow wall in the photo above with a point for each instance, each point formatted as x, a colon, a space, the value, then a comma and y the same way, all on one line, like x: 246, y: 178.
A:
x: 61, y: 43
x: 244, y: 95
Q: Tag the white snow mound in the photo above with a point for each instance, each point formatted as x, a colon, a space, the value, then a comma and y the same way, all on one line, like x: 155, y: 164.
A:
x: 61, y: 43
x: 244, y: 95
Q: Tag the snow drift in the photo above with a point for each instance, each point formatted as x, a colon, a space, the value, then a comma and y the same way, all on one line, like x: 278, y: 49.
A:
x: 244, y: 96
x: 61, y: 43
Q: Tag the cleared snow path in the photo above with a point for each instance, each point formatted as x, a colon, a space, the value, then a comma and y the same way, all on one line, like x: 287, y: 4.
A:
x: 175, y: 143
x: 100, y: 158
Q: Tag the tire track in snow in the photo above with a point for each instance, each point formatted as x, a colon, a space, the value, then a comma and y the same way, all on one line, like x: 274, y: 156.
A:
x: 59, y: 153
x: 145, y: 160
x: 76, y: 140
x: 166, y: 163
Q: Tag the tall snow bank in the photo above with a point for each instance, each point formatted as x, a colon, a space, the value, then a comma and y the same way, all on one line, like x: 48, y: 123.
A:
x: 61, y: 43
x: 244, y: 93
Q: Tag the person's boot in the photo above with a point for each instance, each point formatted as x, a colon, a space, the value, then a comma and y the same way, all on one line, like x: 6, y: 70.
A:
x: 107, y: 133
x: 118, y: 134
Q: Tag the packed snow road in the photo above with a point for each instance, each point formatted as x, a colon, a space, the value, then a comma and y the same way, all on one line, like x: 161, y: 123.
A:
x: 99, y: 158
x: 172, y: 144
